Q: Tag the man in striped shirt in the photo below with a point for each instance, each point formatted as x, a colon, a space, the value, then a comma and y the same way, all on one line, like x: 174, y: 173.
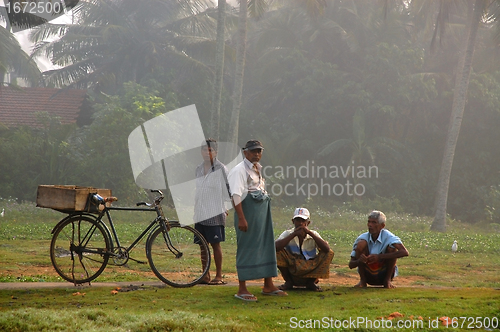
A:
x: 302, y: 255
x: 210, y: 209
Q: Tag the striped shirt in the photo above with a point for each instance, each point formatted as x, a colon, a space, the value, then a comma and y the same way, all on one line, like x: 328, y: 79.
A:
x: 212, y: 196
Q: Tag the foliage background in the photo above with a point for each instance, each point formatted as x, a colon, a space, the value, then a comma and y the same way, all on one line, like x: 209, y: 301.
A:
x: 353, y: 73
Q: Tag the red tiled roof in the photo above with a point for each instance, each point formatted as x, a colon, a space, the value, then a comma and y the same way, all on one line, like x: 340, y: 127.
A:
x: 18, y: 106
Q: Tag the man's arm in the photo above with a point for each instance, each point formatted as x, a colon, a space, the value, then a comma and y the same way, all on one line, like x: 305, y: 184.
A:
x: 242, y: 222
x: 360, y: 248
x: 355, y: 260
x: 282, y: 243
x: 225, y: 188
x: 400, y: 251
x: 322, y: 244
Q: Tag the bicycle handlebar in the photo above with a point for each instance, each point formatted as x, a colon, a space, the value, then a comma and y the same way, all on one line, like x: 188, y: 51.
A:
x: 98, y: 199
x: 156, y: 201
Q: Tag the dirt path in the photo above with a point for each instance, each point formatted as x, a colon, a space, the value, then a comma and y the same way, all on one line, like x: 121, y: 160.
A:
x: 231, y: 279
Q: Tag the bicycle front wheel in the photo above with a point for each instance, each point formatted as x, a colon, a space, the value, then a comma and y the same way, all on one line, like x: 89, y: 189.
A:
x: 179, y: 257
x: 79, y: 249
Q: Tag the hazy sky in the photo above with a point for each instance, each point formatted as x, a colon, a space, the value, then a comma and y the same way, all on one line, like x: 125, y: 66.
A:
x: 22, y: 37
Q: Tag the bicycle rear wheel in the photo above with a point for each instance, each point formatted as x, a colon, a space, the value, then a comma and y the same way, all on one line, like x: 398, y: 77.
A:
x: 175, y: 258
x: 79, y: 249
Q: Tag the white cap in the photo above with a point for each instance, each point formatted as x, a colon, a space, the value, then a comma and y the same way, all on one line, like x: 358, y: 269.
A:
x: 301, y: 213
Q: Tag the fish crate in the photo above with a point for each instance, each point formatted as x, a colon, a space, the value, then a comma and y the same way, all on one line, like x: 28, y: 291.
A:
x: 69, y: 198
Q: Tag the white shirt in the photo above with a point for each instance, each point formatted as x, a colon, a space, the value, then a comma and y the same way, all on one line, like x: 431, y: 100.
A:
x: 243, y: 178
x: 309, y: 247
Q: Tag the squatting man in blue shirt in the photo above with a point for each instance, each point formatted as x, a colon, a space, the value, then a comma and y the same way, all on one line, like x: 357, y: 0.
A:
x: 297, y: 254
x: 375, y: 253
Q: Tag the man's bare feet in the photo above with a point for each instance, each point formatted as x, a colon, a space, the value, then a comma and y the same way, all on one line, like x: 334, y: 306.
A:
x: 205, y: 281
x: 389, y: 285
x: 313, y: 287
x: 360, y: 285
x: 286, y: 286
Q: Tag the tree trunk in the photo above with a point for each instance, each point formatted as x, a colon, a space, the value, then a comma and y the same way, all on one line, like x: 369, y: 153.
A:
x: 219, y: 70
x: 239, y: 72
x: 459, y: 98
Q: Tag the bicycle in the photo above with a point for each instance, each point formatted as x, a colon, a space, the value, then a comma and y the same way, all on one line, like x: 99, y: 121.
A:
x: 83, y: 244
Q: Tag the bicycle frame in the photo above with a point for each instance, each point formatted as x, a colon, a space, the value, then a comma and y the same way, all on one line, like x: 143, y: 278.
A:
x: 113, y: 235
x: 159, y: 221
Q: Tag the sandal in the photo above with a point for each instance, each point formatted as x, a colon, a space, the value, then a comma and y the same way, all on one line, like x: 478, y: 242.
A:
x: 246, y: 297
x: 277, y: 292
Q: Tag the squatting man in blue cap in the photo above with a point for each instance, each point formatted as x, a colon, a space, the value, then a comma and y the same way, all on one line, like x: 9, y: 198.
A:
x: 297, y: 254
x: 375, y: 253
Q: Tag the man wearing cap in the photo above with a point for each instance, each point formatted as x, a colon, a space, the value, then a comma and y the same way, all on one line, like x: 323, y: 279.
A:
x: 255, y: 253
x: 375, y: 253
x: 297, y: 254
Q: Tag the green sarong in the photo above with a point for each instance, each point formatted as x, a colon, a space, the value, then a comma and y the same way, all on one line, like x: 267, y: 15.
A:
x: 256, y: 252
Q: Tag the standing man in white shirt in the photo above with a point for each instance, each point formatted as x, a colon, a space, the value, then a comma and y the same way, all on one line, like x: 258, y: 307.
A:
x: 256, y: 253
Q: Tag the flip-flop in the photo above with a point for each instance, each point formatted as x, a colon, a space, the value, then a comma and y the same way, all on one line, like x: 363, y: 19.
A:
x: 277, y: 292
x: 217, y: 282
x: 246, y: 297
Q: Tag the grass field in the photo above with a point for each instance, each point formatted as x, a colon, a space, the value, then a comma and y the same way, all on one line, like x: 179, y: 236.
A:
x: 433, y: 283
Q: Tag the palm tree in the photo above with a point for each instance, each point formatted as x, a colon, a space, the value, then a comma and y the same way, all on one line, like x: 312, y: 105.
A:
x: 256, y: 8
x: 475, y: 14
x: 118, y: 41
x: 12, y: 56
x: 239, y: 72
x: 219, y: 68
